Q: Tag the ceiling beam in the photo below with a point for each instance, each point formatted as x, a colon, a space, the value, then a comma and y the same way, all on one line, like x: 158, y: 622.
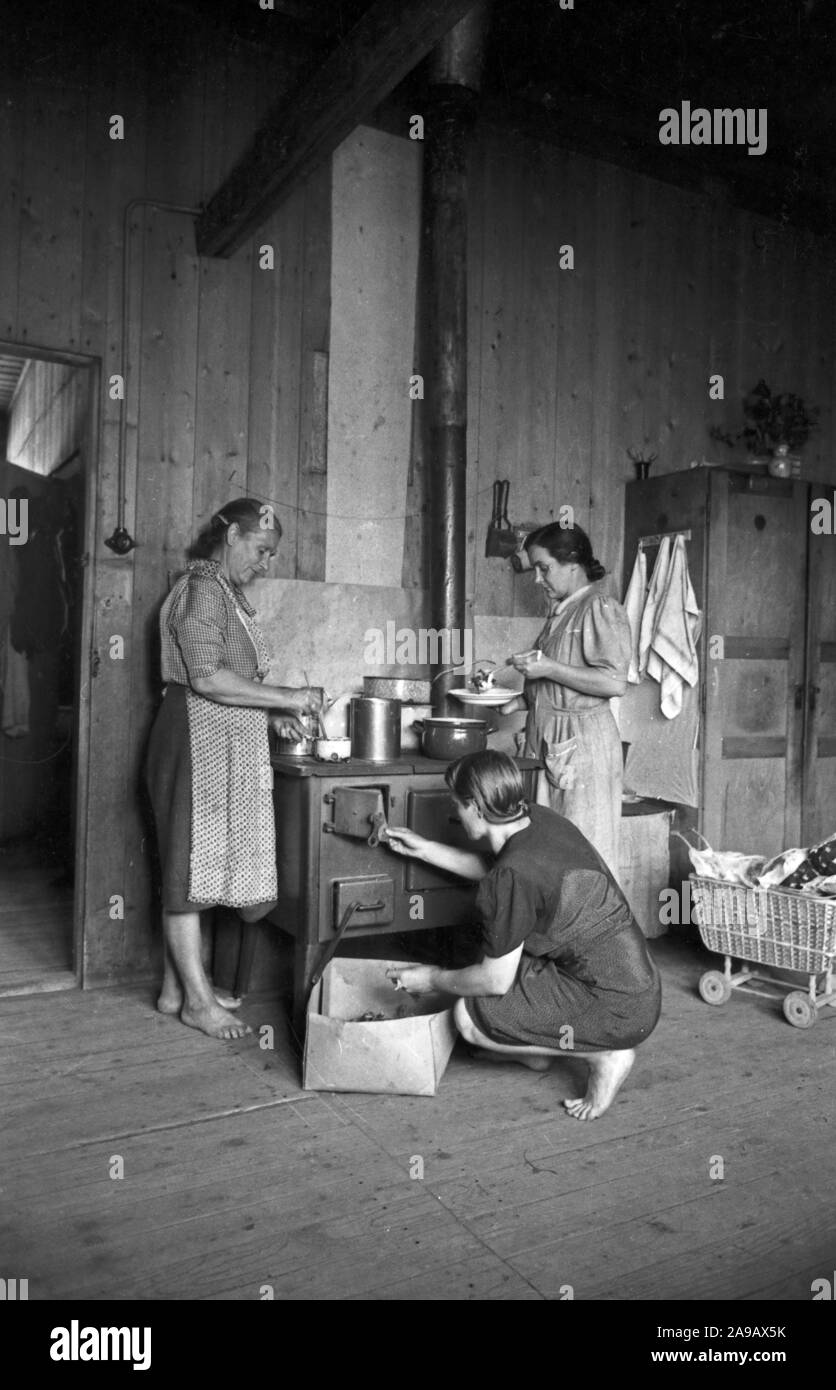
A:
x: 304, y: 129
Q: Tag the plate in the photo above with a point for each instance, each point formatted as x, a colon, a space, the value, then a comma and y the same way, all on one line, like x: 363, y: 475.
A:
x: 492, y: 699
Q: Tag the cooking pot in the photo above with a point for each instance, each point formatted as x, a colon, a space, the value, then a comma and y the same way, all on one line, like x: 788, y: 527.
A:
x: 451, y: 738
x: 416, y: 692
x: 332, y: 750
x: 301, y: 747
x: 375, y: 727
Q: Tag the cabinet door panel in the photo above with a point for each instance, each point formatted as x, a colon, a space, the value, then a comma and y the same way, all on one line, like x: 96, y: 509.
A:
x: 819, y: 798
x: 753, y: 714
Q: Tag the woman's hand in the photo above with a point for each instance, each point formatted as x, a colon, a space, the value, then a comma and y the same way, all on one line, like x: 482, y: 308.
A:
x: 415, y: 979
x: 404, y: 841
x: 514, y: 705
x: 288, y: 726
x: 533, y: 664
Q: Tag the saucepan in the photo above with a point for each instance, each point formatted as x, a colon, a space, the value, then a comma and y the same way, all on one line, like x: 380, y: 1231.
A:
x: 452, y: 738
x: 291, y: 747
x: 332, y: 750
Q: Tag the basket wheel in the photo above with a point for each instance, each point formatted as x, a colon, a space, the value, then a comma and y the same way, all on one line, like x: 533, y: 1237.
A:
x: 714, y: 987
x: 799, y: 1010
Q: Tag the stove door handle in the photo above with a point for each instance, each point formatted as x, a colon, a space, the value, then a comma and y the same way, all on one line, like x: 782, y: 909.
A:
x: 379, y: 830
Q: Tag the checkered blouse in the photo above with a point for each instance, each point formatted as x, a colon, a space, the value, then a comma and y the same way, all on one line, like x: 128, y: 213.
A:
x: 206, y: 624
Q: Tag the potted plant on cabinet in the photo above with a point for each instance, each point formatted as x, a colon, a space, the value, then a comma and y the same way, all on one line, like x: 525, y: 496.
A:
x: 776, y: 427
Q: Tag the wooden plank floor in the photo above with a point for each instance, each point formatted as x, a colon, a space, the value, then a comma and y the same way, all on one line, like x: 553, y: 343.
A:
x: 235, y: 1178
x: 36, y: 923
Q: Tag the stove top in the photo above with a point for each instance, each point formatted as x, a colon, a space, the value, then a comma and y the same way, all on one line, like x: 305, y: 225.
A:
x: 408, y: 763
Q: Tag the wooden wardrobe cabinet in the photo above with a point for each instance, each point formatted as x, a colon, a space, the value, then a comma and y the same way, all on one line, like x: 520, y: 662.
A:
x: 767, y: 587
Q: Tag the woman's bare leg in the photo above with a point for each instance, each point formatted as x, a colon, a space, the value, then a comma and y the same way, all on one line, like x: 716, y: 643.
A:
x: 170, y: 999
x: 607, y: 1070
x: 184, y: 954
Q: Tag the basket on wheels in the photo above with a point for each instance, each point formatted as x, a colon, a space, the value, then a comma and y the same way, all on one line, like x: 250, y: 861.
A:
x: 779, y: 927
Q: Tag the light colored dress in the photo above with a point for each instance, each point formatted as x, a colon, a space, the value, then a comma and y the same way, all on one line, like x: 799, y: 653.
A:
x: 575, y: 735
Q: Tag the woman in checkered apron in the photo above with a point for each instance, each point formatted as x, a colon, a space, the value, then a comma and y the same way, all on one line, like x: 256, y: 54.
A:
x: 208, y: 766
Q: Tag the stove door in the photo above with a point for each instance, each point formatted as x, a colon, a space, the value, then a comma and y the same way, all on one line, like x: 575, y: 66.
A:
x: 433, y: 814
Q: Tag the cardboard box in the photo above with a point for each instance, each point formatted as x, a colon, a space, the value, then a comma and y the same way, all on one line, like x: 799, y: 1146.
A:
x: 404, y: 1055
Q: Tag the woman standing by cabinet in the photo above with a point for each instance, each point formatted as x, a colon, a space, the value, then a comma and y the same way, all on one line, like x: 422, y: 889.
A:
x: 579, y: 663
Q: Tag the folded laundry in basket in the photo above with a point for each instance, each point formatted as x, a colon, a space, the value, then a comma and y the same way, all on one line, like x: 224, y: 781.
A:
x: 774, y: 873
x: 825, y: 886
x: 823, y: 856
x: 801, y: 876
x: 728, y: 865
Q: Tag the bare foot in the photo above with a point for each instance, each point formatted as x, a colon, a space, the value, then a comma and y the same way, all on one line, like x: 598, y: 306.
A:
x: 215, y: 1021
x: 171, y: 1001
x: 607, y: 1070
x: 482, y: 1054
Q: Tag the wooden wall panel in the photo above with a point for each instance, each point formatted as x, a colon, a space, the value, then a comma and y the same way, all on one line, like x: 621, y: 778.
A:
x: 223, y: 387
x: 274, y: 371
x: 610, y: 318
x: 313, y: 407
x: 540, y: 288
x: 51, y: 217
x: 12, y: 125
x: 578, y: 477
x: 496, y: 362
x: 669, y: 287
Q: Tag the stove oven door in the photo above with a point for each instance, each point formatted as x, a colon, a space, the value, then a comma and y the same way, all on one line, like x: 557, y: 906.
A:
x: 433, y: 814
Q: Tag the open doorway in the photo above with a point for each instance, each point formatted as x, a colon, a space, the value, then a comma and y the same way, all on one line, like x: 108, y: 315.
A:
x: 45, y: 416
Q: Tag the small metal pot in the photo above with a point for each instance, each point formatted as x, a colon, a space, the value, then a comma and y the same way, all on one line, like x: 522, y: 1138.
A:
x: 452, y: 738
x: 332, y: 750
x: 301, y: 747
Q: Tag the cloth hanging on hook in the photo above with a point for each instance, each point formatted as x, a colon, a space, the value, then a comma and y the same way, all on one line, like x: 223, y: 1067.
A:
x: 634, y: 601
x: 670, y: 626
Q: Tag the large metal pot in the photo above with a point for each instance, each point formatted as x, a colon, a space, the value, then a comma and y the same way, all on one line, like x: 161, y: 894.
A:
x: 375, y: 729
x: 405, y: 688
x: 452, y: 738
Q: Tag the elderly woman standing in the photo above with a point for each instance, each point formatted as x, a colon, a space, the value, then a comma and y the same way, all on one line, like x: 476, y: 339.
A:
x: 579, y: 663
x: 208, y: 766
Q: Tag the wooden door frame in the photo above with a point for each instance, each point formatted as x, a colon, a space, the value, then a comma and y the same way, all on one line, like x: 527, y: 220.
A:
x: 81, y: 720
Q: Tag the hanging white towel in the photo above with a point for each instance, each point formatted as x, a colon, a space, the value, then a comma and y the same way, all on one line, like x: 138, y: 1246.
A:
x: 655, y: 592
x: 672, y: 657
x: 14, y: 673
x: 634, y: 601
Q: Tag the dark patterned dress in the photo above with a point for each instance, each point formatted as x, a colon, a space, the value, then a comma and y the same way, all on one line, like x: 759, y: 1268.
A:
x: 585, y: 963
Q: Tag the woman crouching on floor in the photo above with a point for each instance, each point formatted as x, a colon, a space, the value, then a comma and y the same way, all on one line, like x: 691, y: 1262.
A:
x: 566, y: 970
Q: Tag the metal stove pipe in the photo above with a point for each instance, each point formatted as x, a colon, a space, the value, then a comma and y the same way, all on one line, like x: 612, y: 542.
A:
x: 454, y: 75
